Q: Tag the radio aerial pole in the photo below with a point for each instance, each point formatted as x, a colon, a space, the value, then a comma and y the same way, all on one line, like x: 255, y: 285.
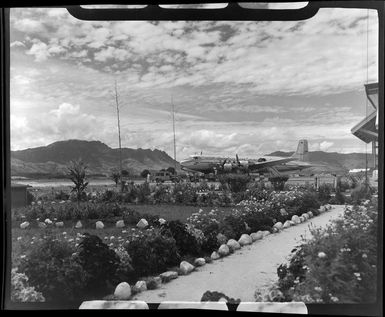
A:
x: 118, y: 115
x: 173, y: 128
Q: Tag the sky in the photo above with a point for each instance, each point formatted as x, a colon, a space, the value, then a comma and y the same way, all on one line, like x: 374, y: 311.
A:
x: 249, y: 88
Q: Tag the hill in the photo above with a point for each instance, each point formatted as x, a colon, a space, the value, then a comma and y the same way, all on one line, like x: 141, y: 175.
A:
x: 52, y: 160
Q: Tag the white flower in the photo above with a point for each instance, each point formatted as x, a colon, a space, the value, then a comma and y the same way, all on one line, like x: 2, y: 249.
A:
x: 334, y: 299
x: 318, y: 289
x: 364, y: 255
x: 321, y: 255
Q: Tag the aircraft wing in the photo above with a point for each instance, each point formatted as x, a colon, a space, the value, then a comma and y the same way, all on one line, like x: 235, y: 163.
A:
x: 256, y: 164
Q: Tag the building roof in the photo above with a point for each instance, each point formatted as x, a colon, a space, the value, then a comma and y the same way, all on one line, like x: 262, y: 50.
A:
x: 366, y: 130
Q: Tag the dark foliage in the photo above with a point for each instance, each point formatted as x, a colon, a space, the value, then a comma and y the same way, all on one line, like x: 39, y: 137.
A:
x: 100, y: 264
x: 152, y: 253
x: 278, y: 182
x: 53, y: 270
x: 185, y: 242
x: 235, y: 182
x: 214, y: 296
x: 233, y: 227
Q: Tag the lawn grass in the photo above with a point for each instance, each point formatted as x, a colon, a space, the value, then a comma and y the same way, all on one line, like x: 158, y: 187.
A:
x: 22, y: 238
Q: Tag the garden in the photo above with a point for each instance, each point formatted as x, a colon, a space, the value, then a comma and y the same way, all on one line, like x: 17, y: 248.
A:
x: 337, y: 265
x: 79, y: 245
x: 82, y: 250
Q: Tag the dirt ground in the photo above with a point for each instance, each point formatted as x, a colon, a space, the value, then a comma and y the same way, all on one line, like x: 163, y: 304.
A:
x: 242, y: 273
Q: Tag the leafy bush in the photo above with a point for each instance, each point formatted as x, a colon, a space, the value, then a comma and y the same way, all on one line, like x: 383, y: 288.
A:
x: 361, y: 192
x: 125, y: 271
x: 233, y: 226
x: 235, y: 182
x: 185, y: 242
x: 30, y: 197
x: 21, y: 291
x: 151, y: 252
x: 215, y: 296
x: 338, y: 264
x: 278, y: 182
x: 100, y: 264
x: 324, y: 192
x: 259, y: 221
x: 70, y: 211
x: 131, y: 217
x: 61, y: 195
x: 210, y: 242
x: 53, y: 270
x: 338, y: 199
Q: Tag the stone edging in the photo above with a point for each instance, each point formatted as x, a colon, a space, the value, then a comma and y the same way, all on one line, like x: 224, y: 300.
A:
x: 123, y: 290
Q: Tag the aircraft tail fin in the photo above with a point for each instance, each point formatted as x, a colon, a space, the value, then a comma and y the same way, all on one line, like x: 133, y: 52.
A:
x: 302, y: 153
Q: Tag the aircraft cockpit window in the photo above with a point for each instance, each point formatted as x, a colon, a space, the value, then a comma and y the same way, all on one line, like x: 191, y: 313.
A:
x: 262, y: 159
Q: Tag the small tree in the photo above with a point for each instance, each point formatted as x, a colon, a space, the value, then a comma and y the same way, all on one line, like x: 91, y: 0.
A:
x: 115, y: 175
x: 235, y: 182
x: 171, y: 170
x: 278, y: 182
x: 77, y: 174
x: 144, y: 173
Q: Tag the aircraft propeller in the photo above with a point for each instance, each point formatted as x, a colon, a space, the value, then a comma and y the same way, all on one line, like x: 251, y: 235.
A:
x: 237, y: 160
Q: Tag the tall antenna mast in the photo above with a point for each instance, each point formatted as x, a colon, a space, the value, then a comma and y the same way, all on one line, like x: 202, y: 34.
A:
x: 173, y: 128
x: 117, y: 112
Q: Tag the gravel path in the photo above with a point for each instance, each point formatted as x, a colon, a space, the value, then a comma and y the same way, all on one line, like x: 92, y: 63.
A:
x: 241, y: 273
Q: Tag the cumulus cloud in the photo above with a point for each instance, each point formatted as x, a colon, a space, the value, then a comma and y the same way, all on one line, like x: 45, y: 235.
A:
x: 325, y: 145
x: 39, y: 50
x: 17, y: 44
x: 256, y: 86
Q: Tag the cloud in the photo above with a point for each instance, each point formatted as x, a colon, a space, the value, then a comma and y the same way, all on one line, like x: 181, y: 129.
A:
x: 237, y: 86
x: 65, y: 109
x: 325, y: 145
x: 39, y: 50
x: 17, y: 44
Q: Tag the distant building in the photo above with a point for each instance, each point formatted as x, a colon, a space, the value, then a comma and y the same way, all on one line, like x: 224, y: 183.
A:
x: 301, y: 181
x: 315, y: 181
x: 327, y: 179
x: 19, y: 196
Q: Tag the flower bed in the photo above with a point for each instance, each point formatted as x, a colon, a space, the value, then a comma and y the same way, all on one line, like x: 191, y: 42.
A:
x: 338, y: 265
x: 132, y: 254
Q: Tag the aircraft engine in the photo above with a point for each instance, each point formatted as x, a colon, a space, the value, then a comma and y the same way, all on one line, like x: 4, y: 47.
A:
x: 227, y: 167
x: 244, y: 164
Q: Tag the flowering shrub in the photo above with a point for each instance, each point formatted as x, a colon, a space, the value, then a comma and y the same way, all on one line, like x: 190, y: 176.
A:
x: 207, y: 222
x: 21, y: 291
x: 151, y: 252
x: 324, y: 192
x: 69, y: 211
x: 186, y: 243
x: 233, y: 226
x: 53, y: 270
x: 338, y: 264
x: 125, y: 271
x: 360, y: 193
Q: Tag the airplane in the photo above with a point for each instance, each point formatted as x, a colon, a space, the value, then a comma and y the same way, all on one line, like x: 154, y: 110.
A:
x: 276, y: 165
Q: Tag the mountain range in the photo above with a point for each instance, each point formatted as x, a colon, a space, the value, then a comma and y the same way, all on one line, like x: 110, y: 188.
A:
x: 52, y: 160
